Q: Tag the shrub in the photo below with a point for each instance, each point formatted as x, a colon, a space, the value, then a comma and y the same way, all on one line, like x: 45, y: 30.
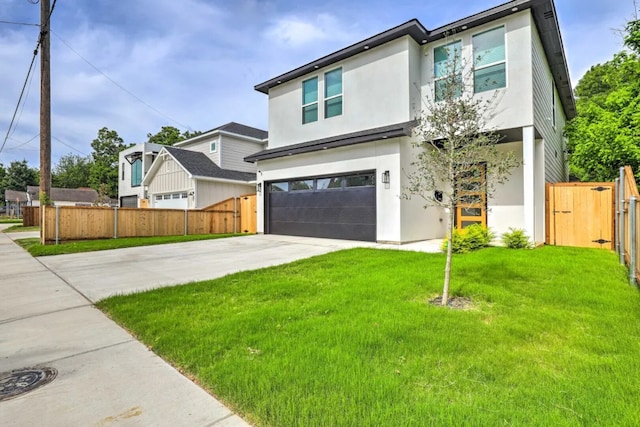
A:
x: 469, y: 239
x: 516, y: 239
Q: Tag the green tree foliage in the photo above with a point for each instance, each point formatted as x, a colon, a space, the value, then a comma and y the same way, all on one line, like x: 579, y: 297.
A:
x: 605, y: 134
x: 169, y: 135
x: 72, y: 171
x: 104, y: 167
x: 19, y: 175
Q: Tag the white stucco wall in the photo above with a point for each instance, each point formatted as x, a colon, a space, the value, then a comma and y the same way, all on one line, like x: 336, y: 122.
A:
x: 512, y: 106
x: 418, y: 220
x: 376, y: 92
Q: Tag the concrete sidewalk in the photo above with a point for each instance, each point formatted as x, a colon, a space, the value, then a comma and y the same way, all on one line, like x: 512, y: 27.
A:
x: 105, y: 376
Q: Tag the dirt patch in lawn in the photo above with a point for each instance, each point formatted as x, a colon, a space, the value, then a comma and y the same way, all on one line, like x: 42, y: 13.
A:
x: 456, y: 303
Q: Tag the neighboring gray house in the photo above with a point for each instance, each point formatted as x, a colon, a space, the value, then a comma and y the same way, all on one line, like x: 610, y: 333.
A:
x: 133, y: 164
x: 205, y: 169
x: 340, y: 127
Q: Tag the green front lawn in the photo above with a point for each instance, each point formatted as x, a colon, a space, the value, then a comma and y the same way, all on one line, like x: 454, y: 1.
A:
x: 10, y: 221
x: 19, y: 228
x: 35, y: 248
x: 349, y: 339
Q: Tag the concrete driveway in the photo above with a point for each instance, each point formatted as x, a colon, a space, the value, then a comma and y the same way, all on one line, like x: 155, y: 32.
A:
x: 98, y: 275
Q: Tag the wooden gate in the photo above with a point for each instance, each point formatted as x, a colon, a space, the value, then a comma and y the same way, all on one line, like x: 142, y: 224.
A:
x: 580, y: 214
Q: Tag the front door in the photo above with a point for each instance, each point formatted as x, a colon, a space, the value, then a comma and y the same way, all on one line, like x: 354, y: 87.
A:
x: 472, y: 188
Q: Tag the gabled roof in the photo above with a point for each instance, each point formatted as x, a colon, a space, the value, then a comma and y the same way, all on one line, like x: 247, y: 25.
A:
x: 544, y: 14
x: 78, y: 195
x: 240, y: 129
x: 384, y: 132
x: 233, y: 129
x: 198, y: 165
x: 15, y: 196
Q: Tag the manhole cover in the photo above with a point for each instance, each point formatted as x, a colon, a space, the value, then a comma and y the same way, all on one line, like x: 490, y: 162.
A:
x: 21, y: 381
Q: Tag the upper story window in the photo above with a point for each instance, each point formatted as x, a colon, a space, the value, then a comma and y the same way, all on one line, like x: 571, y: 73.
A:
x: 310, y: 100
x: 213, y: 146
x: 489, y: 60
x: 122, y: 169
x: 333, y: 93
x: 447, y: 69
x: 136, y: 173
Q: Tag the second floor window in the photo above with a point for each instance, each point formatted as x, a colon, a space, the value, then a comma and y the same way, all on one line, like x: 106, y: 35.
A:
x: 333, y: 93
x: 136, y: 173
x: 447, y: 70
x: 489, y: 60
x: 310, y: 100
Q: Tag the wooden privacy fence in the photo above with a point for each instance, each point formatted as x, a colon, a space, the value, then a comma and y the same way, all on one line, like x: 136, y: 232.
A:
x: 627, y: 227
x: 580, y: 214
x: 31, y: 216
x: 62, y: 223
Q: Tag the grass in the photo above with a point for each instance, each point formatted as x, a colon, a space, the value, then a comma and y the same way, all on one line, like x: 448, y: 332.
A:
x: 10, y: 221
x: 349, y: 338
x: 19, y: 228
x: 35, y: 248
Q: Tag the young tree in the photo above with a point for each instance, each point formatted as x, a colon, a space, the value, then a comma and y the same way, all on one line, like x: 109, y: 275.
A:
x: 169, y: 135
x: 72, y: 171
x: 104, y: 168
x: 454, y: 144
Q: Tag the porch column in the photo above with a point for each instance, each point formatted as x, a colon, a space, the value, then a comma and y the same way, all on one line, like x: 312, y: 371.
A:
x: 528, y: 159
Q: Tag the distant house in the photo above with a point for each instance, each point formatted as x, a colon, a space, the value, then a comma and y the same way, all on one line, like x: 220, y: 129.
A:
x: 134, y: 163
x: 64, y: 196
x: 194, y: 173
x: 15, y: 200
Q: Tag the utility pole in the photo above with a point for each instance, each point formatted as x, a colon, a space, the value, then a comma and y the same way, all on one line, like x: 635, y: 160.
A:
x: 45, y: 113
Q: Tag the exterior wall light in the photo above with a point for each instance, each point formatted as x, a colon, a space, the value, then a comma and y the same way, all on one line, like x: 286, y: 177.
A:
x: 259, y: 187
x: 385, y: 177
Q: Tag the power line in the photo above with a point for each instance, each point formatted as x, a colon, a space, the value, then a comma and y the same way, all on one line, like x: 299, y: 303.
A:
x: 70, y: 146
x: 24, y: 86
x: 19, y: 23
x: 26, y: 80
x: 120, y: 86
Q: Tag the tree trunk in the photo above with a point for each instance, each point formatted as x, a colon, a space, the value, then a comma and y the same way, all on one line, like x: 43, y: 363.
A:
x: 447, y: 268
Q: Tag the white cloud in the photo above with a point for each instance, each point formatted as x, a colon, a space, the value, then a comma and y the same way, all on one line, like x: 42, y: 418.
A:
x: 297, y: 31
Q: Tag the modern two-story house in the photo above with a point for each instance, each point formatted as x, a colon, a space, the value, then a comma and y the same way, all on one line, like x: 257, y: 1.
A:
x: 133, y: 164
x: 205, y: 169
x: 341, y: 127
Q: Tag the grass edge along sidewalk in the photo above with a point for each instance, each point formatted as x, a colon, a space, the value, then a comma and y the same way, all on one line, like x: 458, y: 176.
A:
x: 35, y: 248
x: 349, y: 338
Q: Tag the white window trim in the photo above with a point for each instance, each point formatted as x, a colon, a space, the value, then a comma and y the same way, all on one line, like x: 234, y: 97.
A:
x: 215, y: 143
x: 326, y: 98
x: 504, y: 61
x: 316, y: 102
x: 437, y: 79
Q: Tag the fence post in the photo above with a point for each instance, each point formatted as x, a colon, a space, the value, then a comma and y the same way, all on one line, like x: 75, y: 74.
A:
x: 57, y: 223
x: 632, y: 240
x: 616, y: 216
x: 115, y: 222
x: 185, y: 222
x: 621, y: 219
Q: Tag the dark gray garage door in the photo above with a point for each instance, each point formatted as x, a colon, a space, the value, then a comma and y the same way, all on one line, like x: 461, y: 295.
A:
x: 336, y: 207
x: 129, y: 202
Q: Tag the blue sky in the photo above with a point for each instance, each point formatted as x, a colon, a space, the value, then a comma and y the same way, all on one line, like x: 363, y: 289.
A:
x: 194, y: 63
